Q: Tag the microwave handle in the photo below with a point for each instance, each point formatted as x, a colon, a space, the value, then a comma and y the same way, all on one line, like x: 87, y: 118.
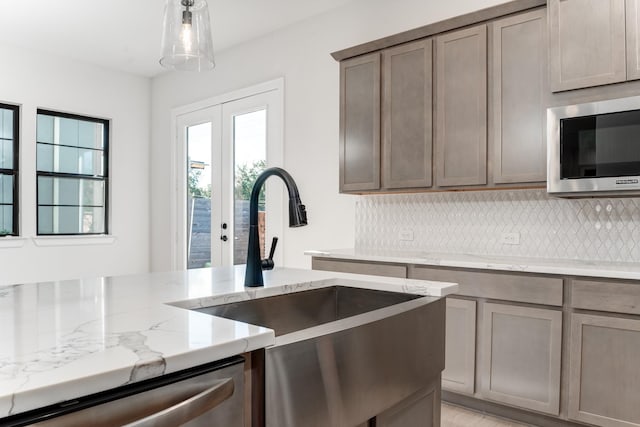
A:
x: 189, y: 409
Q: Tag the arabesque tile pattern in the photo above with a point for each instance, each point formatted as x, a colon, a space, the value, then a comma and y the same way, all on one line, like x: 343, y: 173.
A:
x: 472, y: 222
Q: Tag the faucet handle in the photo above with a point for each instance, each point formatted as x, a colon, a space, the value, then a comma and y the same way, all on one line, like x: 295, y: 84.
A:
x: 268, y: 264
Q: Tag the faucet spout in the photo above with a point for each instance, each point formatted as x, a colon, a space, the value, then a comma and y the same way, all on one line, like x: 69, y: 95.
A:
x: 297, y: 218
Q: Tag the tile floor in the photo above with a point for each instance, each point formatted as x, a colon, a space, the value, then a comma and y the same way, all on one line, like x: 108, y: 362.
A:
x: 454, y: 416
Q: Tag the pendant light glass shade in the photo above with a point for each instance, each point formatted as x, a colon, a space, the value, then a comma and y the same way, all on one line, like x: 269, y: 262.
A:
x: 186, y: 37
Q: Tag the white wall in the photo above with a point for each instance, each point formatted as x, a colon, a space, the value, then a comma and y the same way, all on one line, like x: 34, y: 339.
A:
x: 300, y: 53
x: 36, y: 80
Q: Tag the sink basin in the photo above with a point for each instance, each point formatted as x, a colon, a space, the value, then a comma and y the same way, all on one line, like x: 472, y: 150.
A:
x: 301, y: 310
x: 343, y: 354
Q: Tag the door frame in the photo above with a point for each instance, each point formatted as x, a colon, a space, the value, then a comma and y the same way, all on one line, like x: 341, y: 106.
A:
x: 178, y: 168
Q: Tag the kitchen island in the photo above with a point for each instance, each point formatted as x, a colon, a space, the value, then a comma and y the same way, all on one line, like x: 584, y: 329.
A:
x: 62, y: 340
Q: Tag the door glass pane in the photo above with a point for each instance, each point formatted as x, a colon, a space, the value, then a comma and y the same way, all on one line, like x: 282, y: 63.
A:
x: 199, y: 196
x: 250, y: 158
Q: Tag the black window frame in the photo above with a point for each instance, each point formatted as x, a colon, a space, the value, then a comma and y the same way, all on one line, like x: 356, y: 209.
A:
x: 103, y: 178
x: 15, y: 171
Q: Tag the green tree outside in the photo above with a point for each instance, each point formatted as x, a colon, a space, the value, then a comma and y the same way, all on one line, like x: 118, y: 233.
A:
x: 245, y: 178
x: 194, y: 189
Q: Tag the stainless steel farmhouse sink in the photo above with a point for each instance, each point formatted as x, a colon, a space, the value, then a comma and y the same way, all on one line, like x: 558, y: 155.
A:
x: 343, y: 354
x: 301, y: 310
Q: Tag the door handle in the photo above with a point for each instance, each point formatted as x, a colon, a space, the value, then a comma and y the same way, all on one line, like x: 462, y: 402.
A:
x: 189, y: 409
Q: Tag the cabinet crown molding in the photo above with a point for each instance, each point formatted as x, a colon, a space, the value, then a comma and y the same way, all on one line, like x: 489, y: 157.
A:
x: 439, y: 27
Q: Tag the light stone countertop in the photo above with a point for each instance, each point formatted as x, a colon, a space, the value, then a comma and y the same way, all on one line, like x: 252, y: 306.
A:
x: 564, y: 267
x: 62, y: 340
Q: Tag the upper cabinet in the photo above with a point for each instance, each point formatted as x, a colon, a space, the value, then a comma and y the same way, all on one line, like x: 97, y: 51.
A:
x: 518, y: 100
x: 633, y: 39
x: 360, y: 123
x: 461, y: 107
x: 399, y: 115
x: 592, y: 42
x: 406, y: 115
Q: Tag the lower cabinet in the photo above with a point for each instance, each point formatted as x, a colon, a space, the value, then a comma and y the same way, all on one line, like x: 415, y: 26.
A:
x: 504, y: 344
x: 420, y: 410
x: 521, y: 356
x: 604, y: 378
x: 460, y: 354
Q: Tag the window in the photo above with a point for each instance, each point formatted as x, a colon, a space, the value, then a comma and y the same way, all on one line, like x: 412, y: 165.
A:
x: 9, y: 170
x: 73, y: 174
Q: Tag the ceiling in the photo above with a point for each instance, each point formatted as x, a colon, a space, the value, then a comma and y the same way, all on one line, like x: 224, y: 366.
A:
x: 125, y: 35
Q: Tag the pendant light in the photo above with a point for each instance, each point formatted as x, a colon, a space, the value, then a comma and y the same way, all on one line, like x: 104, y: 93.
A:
x: 186, y: 37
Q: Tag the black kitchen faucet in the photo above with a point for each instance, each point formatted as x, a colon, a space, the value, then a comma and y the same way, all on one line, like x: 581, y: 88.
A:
x: 297, y: 218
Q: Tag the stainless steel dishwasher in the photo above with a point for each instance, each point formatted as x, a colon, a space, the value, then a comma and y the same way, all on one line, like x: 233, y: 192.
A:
x: 210, y: 395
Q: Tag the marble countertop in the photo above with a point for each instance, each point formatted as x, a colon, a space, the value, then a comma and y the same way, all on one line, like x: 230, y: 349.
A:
x: 62, y: 340
x: 564, y: 267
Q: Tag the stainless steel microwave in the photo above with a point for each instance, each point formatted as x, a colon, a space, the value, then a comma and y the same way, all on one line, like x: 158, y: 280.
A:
x: 593, y: 149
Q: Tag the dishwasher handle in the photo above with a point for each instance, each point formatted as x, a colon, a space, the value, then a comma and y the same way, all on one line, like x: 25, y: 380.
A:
x: 190, y: 408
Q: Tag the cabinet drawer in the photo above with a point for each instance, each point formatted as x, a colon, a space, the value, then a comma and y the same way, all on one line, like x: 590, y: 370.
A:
x: 617, y: 297
x: 511, y: 287
x: 358, y: 267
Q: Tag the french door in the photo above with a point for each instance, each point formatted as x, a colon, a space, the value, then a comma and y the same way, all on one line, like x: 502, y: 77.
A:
x: 222, y: 147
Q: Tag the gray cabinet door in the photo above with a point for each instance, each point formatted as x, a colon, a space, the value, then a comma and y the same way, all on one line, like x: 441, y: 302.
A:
x: 604, y: 376
x: 461, y: 107
x: 518, y: 84
x: 360, y: 123
x: 633, y: 39
x: 587, y: 43
x: 460, y: 346
x: 406, y: 115
x: 520, y: 359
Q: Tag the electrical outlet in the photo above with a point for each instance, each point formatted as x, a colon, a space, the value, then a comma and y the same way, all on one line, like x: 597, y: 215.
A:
x: 510, y: 238
x: 406, y: 235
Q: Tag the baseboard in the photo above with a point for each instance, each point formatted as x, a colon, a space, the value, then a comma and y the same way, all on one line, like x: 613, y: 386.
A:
x: 515, y: 414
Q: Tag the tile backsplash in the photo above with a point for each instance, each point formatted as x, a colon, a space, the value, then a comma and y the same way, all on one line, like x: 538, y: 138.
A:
x: 483, y: 222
